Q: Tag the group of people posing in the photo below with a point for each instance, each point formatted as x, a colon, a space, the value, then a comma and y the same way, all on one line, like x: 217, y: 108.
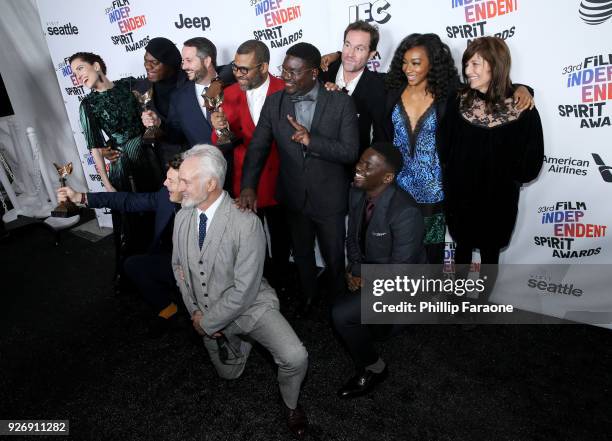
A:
x: 404, y: 154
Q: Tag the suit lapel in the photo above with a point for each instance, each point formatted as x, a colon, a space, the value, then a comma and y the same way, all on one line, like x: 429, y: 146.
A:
x: 380, y: 211
x: 216, y: 230
x: 196, y: 109
x: 359, y: 210
x: 322, y: 100
x: 287, y: 108
x: 361, y: 88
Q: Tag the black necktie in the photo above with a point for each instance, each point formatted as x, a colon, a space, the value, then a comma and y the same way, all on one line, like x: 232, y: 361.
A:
x: 202, y: 229
x: 206, y: 108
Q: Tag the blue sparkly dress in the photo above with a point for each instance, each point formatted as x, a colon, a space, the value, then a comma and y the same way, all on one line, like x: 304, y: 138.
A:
x: 421, y: 175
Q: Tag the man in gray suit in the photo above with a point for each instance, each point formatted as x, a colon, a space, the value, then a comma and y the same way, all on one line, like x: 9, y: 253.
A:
x: 318, y: 141
x: 218, y: 256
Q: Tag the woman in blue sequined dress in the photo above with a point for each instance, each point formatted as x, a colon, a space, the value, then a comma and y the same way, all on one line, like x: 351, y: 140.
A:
x: 417, y: 91
x: 421, y: 80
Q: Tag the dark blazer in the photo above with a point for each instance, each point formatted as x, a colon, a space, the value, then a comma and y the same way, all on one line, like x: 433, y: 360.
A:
x: 321, y: 174
x: 186, y: 122
x: 369, y: 98
x: 395, y: 233
x: 128, y: 202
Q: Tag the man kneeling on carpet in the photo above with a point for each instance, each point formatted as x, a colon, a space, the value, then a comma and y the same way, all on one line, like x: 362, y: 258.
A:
x: 151, y: 272
x: 218, y: 257
x: 385, y: 227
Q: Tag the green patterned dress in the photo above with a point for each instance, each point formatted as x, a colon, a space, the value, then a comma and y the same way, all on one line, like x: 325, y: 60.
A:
x: 114, y: 116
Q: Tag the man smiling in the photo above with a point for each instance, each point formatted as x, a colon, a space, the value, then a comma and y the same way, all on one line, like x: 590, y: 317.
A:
x: 385, y: 227
x: 241, y: 110
x: 316, y: 134
x: 350, y: 74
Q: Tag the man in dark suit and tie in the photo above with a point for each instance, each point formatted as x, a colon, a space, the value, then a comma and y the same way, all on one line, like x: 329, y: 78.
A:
x: 188, y: 119
x: 152, y: 272
x: 351, y: 75
x: 316, y: 136
x: 385, y: 227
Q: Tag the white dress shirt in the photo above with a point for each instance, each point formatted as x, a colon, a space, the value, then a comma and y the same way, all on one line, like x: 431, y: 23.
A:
x: 199, y: 90
x: 210, y: 212
x: 256, y: 98
x: 350, y: 86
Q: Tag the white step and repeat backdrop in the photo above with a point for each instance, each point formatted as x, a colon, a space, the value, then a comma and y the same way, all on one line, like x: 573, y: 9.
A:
x: 560, y: 48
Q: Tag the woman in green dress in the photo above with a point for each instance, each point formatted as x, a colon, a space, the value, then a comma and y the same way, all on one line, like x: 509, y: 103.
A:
x: 110, y: 116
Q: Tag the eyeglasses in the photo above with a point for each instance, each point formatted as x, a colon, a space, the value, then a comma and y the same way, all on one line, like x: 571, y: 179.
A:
x: 293, y: 74
x: 242, y: 69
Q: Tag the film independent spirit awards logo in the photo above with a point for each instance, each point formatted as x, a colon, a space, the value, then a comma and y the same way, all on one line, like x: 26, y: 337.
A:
x: 595, y: 12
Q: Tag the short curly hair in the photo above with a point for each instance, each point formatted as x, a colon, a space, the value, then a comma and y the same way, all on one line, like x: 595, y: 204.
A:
x: 442, y: 73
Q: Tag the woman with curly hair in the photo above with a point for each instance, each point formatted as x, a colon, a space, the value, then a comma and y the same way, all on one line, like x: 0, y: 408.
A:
x: 421, y: 79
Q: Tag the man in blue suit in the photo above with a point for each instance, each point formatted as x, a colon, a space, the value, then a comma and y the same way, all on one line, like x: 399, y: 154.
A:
x: 188, y: 121
x: 152, y: 272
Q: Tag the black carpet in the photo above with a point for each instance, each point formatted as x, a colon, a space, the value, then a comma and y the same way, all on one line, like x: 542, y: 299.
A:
x: 72, y: 350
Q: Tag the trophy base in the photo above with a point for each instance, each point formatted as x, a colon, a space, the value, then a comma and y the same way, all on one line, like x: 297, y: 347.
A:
x: 65, y: 209
x: 150, y: 135
x: 225, y: 139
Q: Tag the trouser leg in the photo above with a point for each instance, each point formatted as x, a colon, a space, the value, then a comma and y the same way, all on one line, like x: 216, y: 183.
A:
x: 275, y: 334
x: 152, y: 275
x: 346, y: 317
x: 303, y: 239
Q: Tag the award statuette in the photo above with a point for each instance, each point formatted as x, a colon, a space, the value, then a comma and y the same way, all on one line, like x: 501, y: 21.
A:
x: 145, y: 99
x: 213, y: 98
x: 66, y: 208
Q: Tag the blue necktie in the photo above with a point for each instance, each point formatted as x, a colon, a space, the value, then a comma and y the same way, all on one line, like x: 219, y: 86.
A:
x: 202, y: 229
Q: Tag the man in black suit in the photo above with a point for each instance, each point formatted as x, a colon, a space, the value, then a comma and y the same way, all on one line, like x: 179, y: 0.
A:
x: 152, y: 272
x: 188, y: 121
x: 350, y: 74
x: 316, y: 134
x: 385, y: 227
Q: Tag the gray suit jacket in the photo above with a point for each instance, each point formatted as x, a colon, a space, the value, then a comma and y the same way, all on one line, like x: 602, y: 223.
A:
x: 322, y: 175
x: 224, y: 279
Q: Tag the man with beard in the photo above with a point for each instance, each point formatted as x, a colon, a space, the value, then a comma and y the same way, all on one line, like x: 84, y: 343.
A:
x: 241, y: 109
x: 188, y: 120
x: 218, y: 257
x: 385, y: 227
x: 351, y: 75
x: 151, y: 272
x: 316, y: 135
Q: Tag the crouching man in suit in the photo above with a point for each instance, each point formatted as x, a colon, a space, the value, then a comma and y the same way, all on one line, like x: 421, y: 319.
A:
x: 385, y: 227
x: 218, y: 257
x: 151, y: 272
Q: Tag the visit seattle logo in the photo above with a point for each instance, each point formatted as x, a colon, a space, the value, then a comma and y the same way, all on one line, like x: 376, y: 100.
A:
x: 569, y: 226
x: 277, y: 16
x: 125, y: 20
x: 592, y: 81
x: 476, y: 16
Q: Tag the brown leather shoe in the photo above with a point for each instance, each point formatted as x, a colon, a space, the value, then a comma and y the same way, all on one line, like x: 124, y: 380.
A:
x: 297, y: 421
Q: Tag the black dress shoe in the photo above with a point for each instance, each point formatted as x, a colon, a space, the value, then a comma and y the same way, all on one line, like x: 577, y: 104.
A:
x: 297, y: 421
x: 362, y: 383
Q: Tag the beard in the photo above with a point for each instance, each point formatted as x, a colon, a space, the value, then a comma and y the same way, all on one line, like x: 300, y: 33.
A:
x: 193, y: 202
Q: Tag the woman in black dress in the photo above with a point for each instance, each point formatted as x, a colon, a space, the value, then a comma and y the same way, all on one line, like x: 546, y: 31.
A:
x: 489, y: 148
